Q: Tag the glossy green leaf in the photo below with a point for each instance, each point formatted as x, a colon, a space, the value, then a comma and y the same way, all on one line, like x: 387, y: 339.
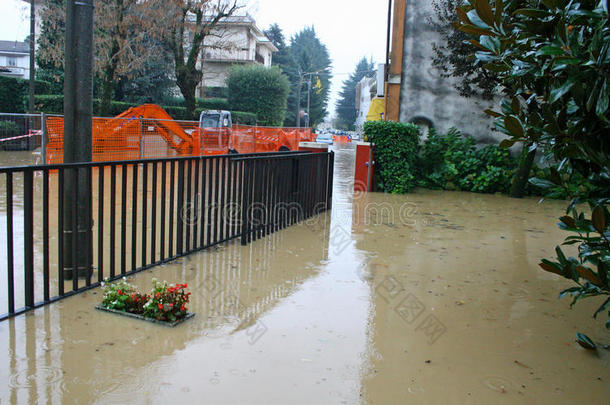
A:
x: 476, y: 20
x: 484, y: 11
x: 558, y: 92
x: 598, y: 218
x: 514, y: 126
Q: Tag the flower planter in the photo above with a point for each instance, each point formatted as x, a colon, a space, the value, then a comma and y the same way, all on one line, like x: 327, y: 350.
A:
x: 189, y: 315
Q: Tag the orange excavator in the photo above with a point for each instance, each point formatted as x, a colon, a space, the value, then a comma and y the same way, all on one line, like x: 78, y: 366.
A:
x: 114, y: 133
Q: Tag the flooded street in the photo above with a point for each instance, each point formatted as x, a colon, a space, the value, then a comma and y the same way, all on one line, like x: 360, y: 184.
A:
x: 429, y: 297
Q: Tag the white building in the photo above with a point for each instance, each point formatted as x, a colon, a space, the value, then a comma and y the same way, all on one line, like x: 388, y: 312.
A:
x: 234, y: 40
x: 365, y: 92
x: 15, y: 59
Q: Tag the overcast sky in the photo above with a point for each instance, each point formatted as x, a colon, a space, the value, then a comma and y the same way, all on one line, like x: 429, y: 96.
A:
x: 350, y: 29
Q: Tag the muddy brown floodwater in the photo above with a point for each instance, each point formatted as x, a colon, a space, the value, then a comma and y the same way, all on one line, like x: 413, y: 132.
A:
x: 432, y: 297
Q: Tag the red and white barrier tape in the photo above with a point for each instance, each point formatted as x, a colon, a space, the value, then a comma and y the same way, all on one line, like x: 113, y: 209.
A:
x: 32, y: 133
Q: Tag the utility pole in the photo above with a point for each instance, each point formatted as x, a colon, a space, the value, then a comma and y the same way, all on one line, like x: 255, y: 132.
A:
x: 78, y: 112
x: 299, y: 98
x: 308, y: 99
x: 32, y: 60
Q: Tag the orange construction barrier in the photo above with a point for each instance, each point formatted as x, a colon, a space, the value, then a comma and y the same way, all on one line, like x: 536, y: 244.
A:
x: 147, y: 131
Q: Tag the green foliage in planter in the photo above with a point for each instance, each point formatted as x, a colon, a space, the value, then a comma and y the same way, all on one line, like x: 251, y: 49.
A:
x: 166, y: 302
x: 396, y: 148
x: 122, y: 296
x: 453, y: 162
x: 260, y: 90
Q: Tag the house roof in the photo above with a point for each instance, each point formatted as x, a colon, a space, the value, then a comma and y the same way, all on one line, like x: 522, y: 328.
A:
x: 14, y: 46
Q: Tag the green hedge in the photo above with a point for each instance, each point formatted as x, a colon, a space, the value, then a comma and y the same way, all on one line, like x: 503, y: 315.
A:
x: 396, y: 148
x: 14, y: 93
x: 259, y: 90
x: 54, y: 104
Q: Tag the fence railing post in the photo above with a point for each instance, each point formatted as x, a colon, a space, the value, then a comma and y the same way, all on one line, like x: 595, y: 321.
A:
x: 43, y: 139
x: 245, y: 204
x: 180, y: 210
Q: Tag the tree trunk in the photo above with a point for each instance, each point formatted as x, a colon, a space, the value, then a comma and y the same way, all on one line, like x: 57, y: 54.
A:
x: 187, y: 80
x: 108, y: 84
x: 526, y: 161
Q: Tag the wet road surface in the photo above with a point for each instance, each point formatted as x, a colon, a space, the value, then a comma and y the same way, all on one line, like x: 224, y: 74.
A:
x: 426, y: 298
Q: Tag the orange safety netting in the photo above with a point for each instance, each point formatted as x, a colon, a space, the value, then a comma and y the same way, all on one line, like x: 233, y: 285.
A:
x: 147, y: 131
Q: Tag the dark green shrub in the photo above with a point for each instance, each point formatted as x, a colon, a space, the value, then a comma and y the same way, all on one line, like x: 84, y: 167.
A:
x: 215, y: 92
x: 244, y: 118
x: 8, y: 128
x: 14, y: 93
x: 396, y: 147
x: 54, y: 104
x: 260, y: 90
x: 213, y: 103
x: 453, y: 162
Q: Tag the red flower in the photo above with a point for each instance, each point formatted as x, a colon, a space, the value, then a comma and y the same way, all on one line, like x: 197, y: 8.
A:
x: 120, y: 292
x: 157, y: 295
x: 171, y: 304
x: 160, y: 306
x: 182, y: 307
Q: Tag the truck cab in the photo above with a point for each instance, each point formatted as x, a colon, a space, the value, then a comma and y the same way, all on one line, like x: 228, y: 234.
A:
x: 215, y: 129
x: 215, y: 119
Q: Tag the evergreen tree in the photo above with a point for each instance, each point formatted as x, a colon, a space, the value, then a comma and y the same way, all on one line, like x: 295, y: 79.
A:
x: 308, y: 55
x: 346, y: 107
x: 281, y: 58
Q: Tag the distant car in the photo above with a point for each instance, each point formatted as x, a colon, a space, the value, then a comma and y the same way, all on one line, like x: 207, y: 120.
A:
x: 325, y: 138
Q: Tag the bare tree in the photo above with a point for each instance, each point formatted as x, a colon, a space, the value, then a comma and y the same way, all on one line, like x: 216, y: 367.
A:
x: 184, y: 25
x: 118, y: 47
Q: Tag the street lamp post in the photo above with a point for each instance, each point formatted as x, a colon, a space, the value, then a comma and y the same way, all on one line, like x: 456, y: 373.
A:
x: 301, y: 76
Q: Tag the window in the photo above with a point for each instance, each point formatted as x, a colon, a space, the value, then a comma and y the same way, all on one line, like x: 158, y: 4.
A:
x: 11, y: 61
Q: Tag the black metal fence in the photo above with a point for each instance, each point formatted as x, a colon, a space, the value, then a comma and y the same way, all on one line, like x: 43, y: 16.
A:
x: 143, y: 213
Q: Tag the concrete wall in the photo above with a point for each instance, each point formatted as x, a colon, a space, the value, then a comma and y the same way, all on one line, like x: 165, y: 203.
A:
x: 428, y: 97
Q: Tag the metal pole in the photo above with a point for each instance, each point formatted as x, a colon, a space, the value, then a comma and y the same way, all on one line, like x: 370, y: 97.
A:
x: 141, y: 137
x: 43, y: 140
x: 308, y: 97
x: 78, y: 111
x: 299, y: 99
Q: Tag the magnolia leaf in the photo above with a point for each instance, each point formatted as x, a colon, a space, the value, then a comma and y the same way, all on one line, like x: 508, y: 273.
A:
x: 514, y: 126
x: 471, y: 29
x: 476, y: 20
x: 542, y: 183
x: 589, y: 275
x: 498, y: 12
x: 490, y: 43
x: 551, y: 267
x: 532, y: 12
x: 558, y: 92
x: 569, y: 221
x: 602, y: 102
x: 598, y: 218
x: 507, y: 143
x: 492, y: 113
x: 484, y: 11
